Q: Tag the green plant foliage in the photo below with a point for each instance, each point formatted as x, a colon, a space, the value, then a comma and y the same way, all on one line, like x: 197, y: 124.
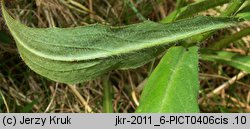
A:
x: 73, y: 55
x: 244, y: 12
x: 233, y: 59
x: 233, y: 7
x: 173, y: 86
x: 245, y: 16
x: 225, y: 41
x: 107, y: 96
x: 192, y: 9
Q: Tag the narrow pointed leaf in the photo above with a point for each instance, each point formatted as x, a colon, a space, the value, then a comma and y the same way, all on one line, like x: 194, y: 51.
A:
x: 174, y: 85
x: 236, y: 60
x: 193, y: 9
x: 244, y: 12
x: 73, y: 55
x: 245, y: 16
x: 228, y: 39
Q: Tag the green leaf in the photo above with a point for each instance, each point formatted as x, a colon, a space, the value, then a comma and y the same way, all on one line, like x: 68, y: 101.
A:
x: 233, y: 7
x: 28, y: 107
x: 244, y: 12
x: 192, y: 9
x: 245, y: 16
x: 245, y: 7
x: 228, y: 39
x: 236, y: 60
x: 73, y: 55
x: 174, y: 85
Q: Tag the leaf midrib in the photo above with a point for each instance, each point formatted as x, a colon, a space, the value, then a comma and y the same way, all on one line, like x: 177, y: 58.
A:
x: 97, y: 55
x: 169, y: 84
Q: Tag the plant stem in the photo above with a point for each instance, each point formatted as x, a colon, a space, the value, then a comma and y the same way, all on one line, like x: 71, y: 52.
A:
x: 151, y: 67
x: 138, y: 14
x: 108, y: 96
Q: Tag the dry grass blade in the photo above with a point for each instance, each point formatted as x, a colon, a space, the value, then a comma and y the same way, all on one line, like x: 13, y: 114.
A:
x: 52, y: 99
x: 241, y: 104
x: 224, y: 86
x: 5, y: 103
x: 81, y: 99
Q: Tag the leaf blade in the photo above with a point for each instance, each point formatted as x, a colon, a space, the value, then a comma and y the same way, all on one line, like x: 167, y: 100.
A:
x: 177, y: 71
x: 73, y: 55
x: 236, y: 60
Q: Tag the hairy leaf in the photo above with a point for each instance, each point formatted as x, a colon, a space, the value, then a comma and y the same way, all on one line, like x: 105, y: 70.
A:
x: 174, y: 85
x: 241, y: 62
x: 73, y: 55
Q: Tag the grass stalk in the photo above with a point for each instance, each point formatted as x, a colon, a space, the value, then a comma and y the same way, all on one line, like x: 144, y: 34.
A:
x: 5, y: 102
x: 79, y: 96
x: 107, y: 96
x: 224, y: 86
x: 138, y: 14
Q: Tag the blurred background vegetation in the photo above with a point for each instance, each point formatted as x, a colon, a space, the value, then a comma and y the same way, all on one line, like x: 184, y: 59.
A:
x: 22, y: 90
